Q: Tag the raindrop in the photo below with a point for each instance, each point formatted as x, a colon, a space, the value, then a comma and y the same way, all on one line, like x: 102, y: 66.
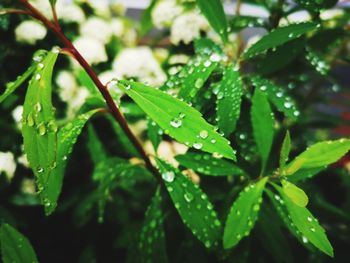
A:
x: 256, y: 207
x: 199, y: 83
x: 288, y: 104
x: 56, y: 50
x: 40, y: 169
x: 207, y: 63
x: 309, y: 219
x: 304, y: 239
x: 220, y: 95
x: 41, y: 129
x: 213, y: 141
x: 188, y: 197
x: 203, y: 134
x: 37, y: 76
x: 52, y: 127
x: 312, y: 229
x: 176, y: 123
x: 263, y: 88
x: 182, y: 115
x: 197, y: 145
x: 168, y: 176
x: 30, y: 120
x: 215, y: 57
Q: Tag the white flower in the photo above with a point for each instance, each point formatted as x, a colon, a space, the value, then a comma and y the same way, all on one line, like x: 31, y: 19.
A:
x: 30, y: 32
x: 179, y: 59
x: 100, y: 7
x: 7, y: 164
x: 332, y: 13
x: 98, y: 29
x: 165, y: 12
x: 139, y: 63
x: 17, y: 116
x: 70, y: 92
x: 296, y: 17
x: 91, y: 49
x: 117, y: 26
x: 43, y: 6
x: 70, y: 12
x: 252, y: 40
x: 28, y: 186
x: 187, y: 27
x: 23, y: 160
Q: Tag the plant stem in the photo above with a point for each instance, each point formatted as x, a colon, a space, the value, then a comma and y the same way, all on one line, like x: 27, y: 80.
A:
x: 118, y: 116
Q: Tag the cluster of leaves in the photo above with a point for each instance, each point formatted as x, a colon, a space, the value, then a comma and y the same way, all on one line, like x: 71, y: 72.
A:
x: 232, y: 120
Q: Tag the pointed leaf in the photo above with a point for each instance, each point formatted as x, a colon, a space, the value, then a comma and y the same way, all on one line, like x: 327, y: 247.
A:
x: 15, y: 247
x: 263, y: 124
x: 285, y: 150
x: 243, y: 214
x: 177, y: 119
x: 229, y: 100
x: 319, y: 155
x: 303, y: 174
x: 154, y: 134
x: 208, y: 165
x: 95, y: 146
x: 278, y: 37
x: 307, y: 224
x: 39, y: 125
x: 277, y: 96
x: 213, y: 10
x: 66, y: 138
x: 152, y: 239
x: 12, y: 86
x: 193, y: 205
x: 295, y: 194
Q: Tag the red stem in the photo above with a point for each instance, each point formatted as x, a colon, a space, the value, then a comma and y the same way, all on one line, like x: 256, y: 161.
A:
x: 118, y: 116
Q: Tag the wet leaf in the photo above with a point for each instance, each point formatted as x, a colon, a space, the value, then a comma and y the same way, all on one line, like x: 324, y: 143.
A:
x: 152, y: 239
x: 208, y: 165
x: 263, y: 124
x: 213, y: 10
x: 285, y: 150
x: 177, y: 119
x: 15, y: 247
x: 243, y: 213
x: 230, y: 90
x: 154, y: 134
x: 192, y: 204
x: 295, y: 194
x: 278, y: 37
x: 307, y: 224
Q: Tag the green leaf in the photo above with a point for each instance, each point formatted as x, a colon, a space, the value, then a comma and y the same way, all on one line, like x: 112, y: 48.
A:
x: 238, y: 23
x: 318, y: 61
x: 12, y: 86
x: 146, y: 22
x: 66, y: 139
x: 307, y: 224
x: 39, y: 125
x: 230, y: 90
x: 152, y: 239
x: 154, y: 134
x: 303, y: 174
x: 263, y: 124
x: 279, y: 58
x: 15, y: 247
x: 177, y: 119
x: 319, y: 155
x: 195, y: 74
x: 278, y: 37
x: 208, y: 165
x: 213, y: 10
x: 95, y: 146
x: 295, y: 194
x: 85, y: 80
x: 285, y: 150
x: 277, y: 96
x: 243, y: 213
x: 206, y: 47
x: 193, y: 205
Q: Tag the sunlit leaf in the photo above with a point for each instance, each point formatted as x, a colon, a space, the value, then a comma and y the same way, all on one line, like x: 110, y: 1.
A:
x: 243, y: 213
x: 208, y: 165
x: 152, y: 239
x: 213, y: 10
x: 295, y: 194
x: 230, y: 90
x: 193, y: 205
x: 285, y: 150
x: 319, y: 155
x: 39, y: 125
x: 278, y: 37
x: 15, y: 247
x: 277, y: 96
x: 66, y: 139
x: 177, y: 119
x: 307, y: 224
x: 12, y: 86
x: 263, y: 124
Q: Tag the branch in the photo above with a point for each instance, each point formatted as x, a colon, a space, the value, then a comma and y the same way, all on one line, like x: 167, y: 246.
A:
x: 118, y: 116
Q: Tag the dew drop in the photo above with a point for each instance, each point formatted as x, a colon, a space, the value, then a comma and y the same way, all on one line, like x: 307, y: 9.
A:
x: 176, y: 123
x: 203, y: 134
x: 40, y: 169
x: 309, y: 219
x: 168, y: 176
x: 199, y: 83
x: 41, y: 129
x: 197, y: 145
x: 30, y: 120
x: 188, y: 197
x: 37, y: 76
x: 304, y: 239
x: 215, y: 57
x: 213, y: 141
x: 287, y: 105
x: 52, y: 127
